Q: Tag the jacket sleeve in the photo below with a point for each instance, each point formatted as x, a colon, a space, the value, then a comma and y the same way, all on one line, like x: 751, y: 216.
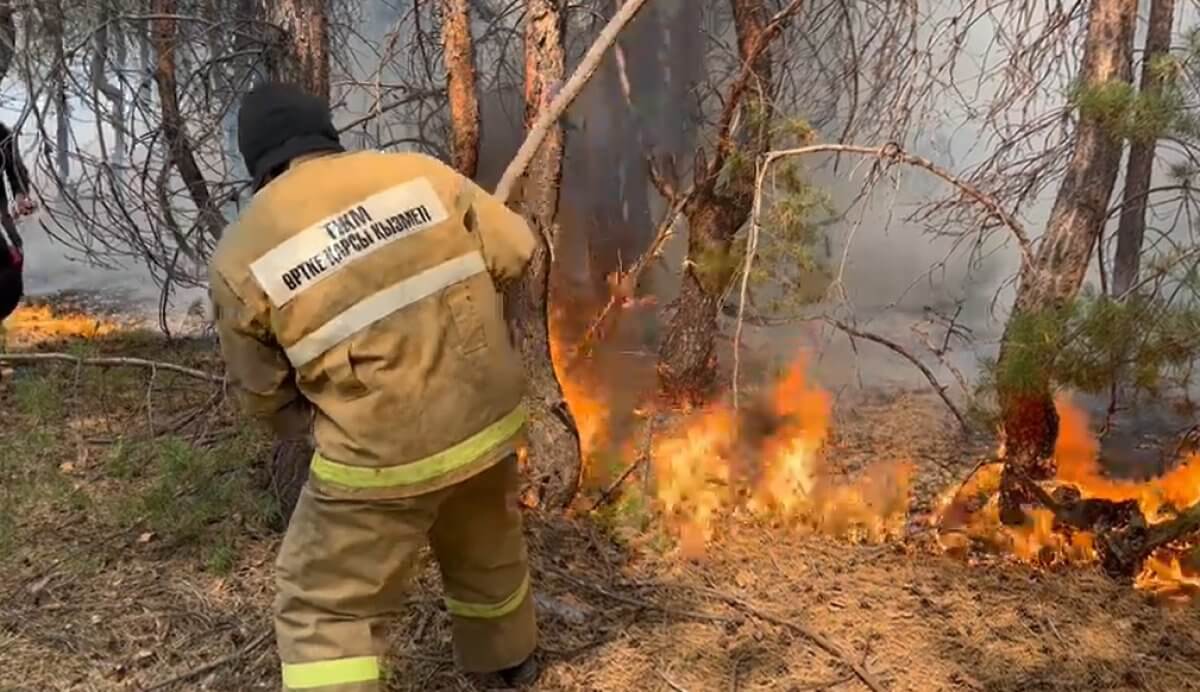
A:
x: 256, y: 366
x: 507, y: 241
x: 14, y: 167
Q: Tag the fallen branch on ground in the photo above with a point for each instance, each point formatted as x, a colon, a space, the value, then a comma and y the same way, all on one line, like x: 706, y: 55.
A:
x: 110, y: 362
x: 1124, y: 550
x: 815, y: 637
x: 636, y: 603
x: 209, y: 667
x: 903, y: 352
x: 1124, y: 537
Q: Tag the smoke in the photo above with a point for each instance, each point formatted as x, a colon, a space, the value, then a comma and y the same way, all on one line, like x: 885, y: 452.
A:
x: 894, y: 272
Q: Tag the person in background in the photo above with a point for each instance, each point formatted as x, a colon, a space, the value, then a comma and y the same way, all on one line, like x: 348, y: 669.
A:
x: 12, y: 258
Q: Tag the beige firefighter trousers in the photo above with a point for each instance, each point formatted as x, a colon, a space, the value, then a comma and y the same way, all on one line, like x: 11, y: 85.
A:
x: 345, y: 565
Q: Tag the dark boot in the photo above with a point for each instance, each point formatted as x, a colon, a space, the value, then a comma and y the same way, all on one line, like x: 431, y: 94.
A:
x: 521, y: 675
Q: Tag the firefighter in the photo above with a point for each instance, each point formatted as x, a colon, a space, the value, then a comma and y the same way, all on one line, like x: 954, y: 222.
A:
x: 356, y: 296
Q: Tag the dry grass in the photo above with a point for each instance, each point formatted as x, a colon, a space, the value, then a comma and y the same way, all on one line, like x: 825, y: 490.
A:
x: 133, y: 550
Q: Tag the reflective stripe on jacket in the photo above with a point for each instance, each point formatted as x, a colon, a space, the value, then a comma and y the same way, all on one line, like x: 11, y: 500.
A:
x: 364, y: 284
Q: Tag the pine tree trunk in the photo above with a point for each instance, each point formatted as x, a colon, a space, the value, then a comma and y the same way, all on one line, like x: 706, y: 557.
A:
x: 164, y: 37
x: 687, y: 356
x: 1058, y: 267
x: 1140, y: 168
x: 302, y: 47
x: 460, y: 84
x: 553, y: 442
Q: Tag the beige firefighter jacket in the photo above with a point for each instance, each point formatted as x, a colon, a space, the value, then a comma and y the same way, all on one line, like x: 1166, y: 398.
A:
x: 362, y: 286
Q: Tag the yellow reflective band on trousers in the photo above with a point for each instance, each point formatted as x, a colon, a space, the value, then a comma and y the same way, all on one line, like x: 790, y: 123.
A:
x: 462, y: 454
x: 339, y: 671
x: 490, y: 610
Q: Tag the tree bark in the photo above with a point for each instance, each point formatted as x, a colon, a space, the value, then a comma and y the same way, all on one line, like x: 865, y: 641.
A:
x: 687, y: 356
x: 8, y: 37
x: 1140, y: 168
x: 1053, y: 278
x: 553, y: 441
x: 102, y: 40
x: 164, y: 38
x: 460, y: 84
x: 301, y: 51
x: 54, y: 26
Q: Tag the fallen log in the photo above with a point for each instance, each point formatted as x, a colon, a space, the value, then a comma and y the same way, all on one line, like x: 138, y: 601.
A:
x: 1124, y: 538
x: 1124, y: 550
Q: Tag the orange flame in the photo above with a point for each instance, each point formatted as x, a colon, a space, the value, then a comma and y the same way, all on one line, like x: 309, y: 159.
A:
x: 699, y: 469
x: 1077, y: 456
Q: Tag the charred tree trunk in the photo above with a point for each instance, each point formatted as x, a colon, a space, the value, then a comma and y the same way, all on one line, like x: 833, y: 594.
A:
x: 301, y: 50
x: 1140, y: 168
x: 460, y: 84
x: 553, y: 440
x: 182, y: 157
x: 1052, y: 279
x: 687, y: 356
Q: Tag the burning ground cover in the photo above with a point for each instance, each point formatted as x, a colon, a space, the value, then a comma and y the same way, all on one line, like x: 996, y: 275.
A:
x: 1089, y: 516
x: 768, y: 461
x: 132, y: 554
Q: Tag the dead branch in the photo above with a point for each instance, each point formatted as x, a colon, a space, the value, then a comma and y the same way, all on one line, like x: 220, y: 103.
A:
x: 815, y: 637
x: 637, y: 603
x: 110, y: 362
x: 209, y: 667
x: 1124, y: 550
x: 670, y: 683
x: 644, y: 458
x: 547, y: 118
x: 893, y: 152
x: 903, y: 352
x: 1124, y: 538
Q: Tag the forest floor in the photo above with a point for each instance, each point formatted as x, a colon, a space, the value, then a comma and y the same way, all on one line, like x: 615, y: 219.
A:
x: 136, y: 554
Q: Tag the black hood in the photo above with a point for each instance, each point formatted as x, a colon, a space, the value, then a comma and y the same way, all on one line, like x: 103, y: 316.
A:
x: 279, y: 122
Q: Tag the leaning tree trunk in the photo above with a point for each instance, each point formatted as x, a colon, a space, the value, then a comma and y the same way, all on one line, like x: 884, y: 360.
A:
x: 1053, y: 278
x: 301, y: 50
x: 1140, y: 168
x: 553, y: 442
x: 164, y: 36
x: 687, y: 356
x: 460, y: 84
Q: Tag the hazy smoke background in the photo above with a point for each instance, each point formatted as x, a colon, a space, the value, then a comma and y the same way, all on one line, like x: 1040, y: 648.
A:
x: 609, y: 210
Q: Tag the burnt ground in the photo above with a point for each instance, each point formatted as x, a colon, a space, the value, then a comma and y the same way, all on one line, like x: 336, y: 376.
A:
x: 135, y: 551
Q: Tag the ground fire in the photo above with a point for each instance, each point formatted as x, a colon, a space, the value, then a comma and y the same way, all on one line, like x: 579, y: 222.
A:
x: 769, y: 461
x: 765, y: 461
x: 1140, y: 529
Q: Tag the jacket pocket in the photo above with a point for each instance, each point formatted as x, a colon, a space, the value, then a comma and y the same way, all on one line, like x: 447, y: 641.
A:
x: 342, y: 375
x: 468, y: 324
